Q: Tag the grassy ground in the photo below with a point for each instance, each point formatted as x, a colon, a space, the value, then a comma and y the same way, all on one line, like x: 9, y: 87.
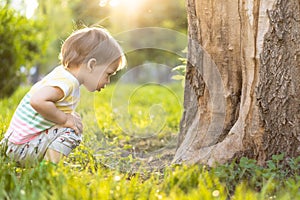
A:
x: 129, y: 139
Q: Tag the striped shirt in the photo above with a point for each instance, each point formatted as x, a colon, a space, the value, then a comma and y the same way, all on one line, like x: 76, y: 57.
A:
x: 27, y: 123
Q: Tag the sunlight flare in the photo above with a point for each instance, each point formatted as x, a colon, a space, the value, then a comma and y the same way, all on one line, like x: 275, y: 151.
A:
x: 129, y: 4
x: 27, y: 7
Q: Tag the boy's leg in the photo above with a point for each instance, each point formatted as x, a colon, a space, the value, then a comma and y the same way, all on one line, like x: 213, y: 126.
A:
x: 53, y: 156
x: 50, y: 145
x: 33, y: 151
x: 62, y: 146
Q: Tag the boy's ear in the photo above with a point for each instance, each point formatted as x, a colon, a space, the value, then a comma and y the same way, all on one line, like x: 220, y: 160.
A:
x: 91, y: 64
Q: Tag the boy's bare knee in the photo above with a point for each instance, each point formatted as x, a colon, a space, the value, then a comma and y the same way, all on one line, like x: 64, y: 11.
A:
x: 53, y: 156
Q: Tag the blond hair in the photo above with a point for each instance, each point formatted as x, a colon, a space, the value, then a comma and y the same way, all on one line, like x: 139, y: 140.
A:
x: 88, y: 43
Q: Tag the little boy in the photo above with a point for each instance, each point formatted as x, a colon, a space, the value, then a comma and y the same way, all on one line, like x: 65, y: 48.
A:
x: 45, y: 124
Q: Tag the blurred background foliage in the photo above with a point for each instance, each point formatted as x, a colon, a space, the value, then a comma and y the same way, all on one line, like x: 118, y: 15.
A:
x: 22, y: 43
x: 32, y: 31
x: 117, y: 16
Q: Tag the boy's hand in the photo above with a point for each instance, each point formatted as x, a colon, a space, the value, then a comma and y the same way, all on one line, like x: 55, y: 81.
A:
x: 74, y: 122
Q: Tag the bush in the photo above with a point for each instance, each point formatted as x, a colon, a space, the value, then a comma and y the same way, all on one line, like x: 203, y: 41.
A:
x: 20, y: 45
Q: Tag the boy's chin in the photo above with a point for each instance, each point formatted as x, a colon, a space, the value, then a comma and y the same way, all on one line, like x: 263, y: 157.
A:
x: 98, y: 89
x: 93, y: 89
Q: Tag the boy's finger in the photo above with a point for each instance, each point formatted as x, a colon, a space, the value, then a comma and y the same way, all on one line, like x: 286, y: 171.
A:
x: 79, y: 126
x: 76, y: 130
x: 76, y: 114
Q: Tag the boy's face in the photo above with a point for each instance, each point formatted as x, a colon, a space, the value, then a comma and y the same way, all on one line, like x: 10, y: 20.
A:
x: 100, y: 76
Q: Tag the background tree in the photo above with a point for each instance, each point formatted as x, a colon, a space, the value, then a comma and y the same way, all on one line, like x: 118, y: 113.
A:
x: 21, y: 44
x: 242, y: 81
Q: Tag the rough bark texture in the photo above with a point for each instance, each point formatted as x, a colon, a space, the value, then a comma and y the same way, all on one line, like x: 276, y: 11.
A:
x: 279, y: 88
x: 225, y: 116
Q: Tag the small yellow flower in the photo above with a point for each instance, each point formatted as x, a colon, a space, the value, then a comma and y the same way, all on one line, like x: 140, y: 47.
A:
x: 216, y: 193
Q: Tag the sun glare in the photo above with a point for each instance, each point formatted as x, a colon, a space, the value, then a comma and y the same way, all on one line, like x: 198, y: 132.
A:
x: 129, y: 5
x: 27, y: 7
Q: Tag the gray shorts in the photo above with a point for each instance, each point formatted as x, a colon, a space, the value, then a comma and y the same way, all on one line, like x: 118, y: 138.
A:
x: 60, y: 139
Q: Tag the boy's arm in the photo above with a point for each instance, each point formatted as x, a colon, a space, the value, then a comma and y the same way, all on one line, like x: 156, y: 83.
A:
x: 43, y: 101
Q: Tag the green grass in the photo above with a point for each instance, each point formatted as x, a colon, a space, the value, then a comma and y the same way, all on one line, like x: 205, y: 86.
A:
x: 120, y: 144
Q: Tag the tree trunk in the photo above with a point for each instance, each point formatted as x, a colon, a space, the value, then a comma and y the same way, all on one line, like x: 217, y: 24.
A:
x: 242, y: 82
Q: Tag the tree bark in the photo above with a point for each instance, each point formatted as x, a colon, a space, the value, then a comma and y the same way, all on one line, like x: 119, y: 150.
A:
x: 242, y: 82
